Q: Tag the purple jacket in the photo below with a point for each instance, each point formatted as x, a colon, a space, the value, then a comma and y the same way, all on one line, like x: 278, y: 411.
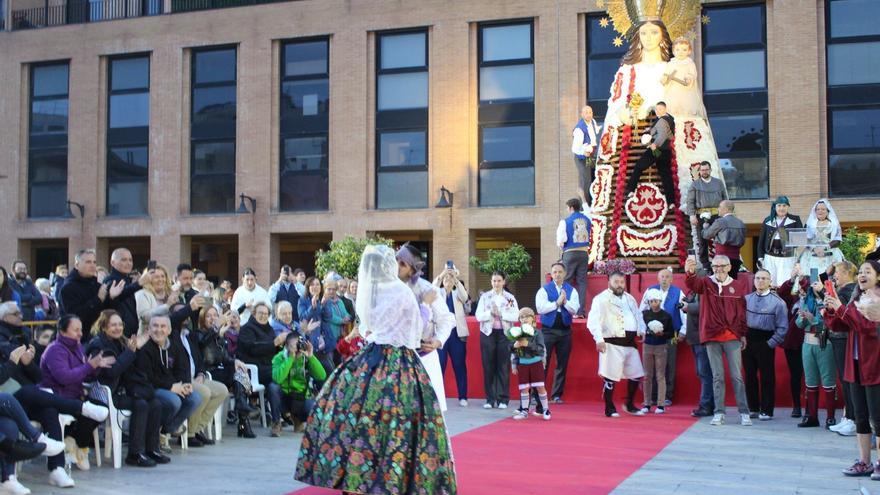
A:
x: 65, y: 368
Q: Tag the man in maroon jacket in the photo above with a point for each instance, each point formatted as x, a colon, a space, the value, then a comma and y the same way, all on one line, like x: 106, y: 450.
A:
x: 723, y: 329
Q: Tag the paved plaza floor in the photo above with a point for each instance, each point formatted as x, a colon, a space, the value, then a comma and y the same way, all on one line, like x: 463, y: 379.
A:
x: 773, y: 457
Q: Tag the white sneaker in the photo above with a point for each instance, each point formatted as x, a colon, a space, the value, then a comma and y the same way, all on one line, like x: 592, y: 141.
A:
x: 745, y: 420
x: 59, y: 477
x: 12, y: 486
x: 660, y: 410
x: 764, y: 417
x: 645, y: 410
x: 94, y: 411
x: 838, y: 426
x: 717, y: 419
x: 53, y: 447
x: 847, y: 430
x: 520, y: 415
x: 462, y: 403
x: 487, y: 406
x: 502, y: 406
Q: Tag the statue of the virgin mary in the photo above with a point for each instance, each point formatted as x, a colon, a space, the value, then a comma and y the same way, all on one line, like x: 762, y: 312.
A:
x: 649, y: 26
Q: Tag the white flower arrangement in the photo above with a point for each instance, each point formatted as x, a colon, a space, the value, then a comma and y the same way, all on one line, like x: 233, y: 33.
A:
x: 655, y: 326
x: 600, y: 189
x: 646, y: 139
x: 528, y: 330
x: 660, y: 242
x: 599, y: 226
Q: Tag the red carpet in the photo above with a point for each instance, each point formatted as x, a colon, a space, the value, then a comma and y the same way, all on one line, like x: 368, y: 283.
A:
x: 579, y: 452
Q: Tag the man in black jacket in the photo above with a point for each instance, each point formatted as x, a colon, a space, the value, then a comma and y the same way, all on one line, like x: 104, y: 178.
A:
x: 85, y: 297
x: 659, y: 153
x: 183, y: 282
x: 121, y: 262
x: 22, y: 284
x: 213, y: 393
x: 162, y: 371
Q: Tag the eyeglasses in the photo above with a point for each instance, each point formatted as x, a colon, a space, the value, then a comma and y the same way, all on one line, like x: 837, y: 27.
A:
x: 720, y: 266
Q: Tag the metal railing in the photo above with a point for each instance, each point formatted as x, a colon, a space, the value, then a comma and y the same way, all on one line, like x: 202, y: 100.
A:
x: 195, y: 5
x: 83, y: 11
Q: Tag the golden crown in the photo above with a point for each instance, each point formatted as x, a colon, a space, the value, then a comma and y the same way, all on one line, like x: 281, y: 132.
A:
x: 679, y: 16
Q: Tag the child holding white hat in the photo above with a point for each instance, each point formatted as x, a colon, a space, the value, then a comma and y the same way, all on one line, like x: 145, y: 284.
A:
x: 660, y: 330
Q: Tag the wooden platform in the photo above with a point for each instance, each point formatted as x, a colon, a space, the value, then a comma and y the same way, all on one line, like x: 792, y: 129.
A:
x: 643, y: 263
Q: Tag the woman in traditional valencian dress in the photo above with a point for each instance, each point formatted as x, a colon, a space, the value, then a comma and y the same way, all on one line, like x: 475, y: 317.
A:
x: 377, y: 426
x: 824, y: 233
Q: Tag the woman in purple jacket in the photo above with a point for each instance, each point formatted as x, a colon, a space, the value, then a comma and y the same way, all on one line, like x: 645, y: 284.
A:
x: 64, y: 368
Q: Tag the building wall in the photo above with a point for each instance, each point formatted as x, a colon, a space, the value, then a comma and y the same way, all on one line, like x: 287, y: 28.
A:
x: 796, y: 88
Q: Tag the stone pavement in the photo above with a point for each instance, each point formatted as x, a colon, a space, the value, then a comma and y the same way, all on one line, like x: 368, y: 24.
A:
x: 769, y: 458
x: 263, y: 465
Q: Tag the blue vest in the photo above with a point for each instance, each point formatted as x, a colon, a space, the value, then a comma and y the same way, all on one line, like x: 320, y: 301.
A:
x: 670, y: 305
x: 290, y: 295
x: 548, y: 319
x: 577, y: 231
x: 586, y: 130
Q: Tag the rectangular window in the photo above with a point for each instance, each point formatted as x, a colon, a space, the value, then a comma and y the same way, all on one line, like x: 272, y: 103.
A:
x: 853, y: 96
x: 47, y: 143
x: 402, y: 119
x: 212, y: 130
x: 735, y: 92
x: 603, y: 60
x: 506, y: 58
x: 305, y: 107
x: 128, y: 135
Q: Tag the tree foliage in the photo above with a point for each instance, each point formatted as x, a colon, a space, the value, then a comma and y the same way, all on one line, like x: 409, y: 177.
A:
x: 853, y: 245
x: 344, y: 256
x: 514, y: 261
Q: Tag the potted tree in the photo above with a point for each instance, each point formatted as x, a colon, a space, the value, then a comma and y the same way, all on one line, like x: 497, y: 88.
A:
x: 514, y: 261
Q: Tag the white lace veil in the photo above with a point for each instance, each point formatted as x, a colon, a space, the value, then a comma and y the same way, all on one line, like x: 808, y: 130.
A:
x: 387, y: 308
x: 812, y: 221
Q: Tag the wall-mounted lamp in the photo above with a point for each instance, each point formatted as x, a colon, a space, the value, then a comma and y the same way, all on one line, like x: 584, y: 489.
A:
x: 79, y: 206
x: 242, y: 207
x: 446, y: 198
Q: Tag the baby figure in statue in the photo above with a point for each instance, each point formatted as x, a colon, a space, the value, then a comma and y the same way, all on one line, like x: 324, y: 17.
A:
x: 681, y: 91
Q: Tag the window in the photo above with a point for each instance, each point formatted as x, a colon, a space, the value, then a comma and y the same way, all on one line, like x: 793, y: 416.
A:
x: 212, y: 131
x: 853, y: 72
x: 402, y: 119
x: 128, y: 135
x: 603, y: 60
x: 506, y: 114
x: 305, y: 107
x: 47, y: 143
x: 735, y: 93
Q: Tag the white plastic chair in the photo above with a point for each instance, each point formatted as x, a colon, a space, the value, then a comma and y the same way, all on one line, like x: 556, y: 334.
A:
x: 258, y: 389
x: 112, y: 432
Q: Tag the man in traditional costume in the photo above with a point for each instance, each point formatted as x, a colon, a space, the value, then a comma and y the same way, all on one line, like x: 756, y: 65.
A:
x: 583, y: 144
x: 615, y: 321
x: 704, y: 196
x: 774, y: 255
x: 728, y: 234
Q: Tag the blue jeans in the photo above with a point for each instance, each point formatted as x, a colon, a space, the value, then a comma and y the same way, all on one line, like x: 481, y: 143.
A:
x: 704, y: 372
x: 175, y: 409
x: 273, y: 390
x: 455, y: 349
x: 12, y: 421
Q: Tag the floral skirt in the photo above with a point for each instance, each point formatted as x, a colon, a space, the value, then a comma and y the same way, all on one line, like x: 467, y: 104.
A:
x: 377, y: 428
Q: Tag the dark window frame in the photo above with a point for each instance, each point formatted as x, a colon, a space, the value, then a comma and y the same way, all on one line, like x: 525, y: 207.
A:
x: 741, y: 101
x: 846, y: 97
x: 402, y: 120
x: 126, y: 140
x: 599, y: 103
x: 55, y: 147
x: 504, y: 114
x: 194, y: 141
x: 315, y: 127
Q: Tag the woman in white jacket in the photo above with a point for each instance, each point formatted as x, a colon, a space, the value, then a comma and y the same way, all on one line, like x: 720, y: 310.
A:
x: 453, y: 293
x: 496, y: 311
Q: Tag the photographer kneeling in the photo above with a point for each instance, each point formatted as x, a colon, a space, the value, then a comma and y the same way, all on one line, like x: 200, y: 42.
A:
x: 291, y: 370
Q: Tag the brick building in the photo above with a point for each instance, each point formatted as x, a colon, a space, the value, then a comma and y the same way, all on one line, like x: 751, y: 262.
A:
x: 348, y: 116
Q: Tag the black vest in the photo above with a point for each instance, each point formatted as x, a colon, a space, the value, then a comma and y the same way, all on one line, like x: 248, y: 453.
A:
x: 290, y: 295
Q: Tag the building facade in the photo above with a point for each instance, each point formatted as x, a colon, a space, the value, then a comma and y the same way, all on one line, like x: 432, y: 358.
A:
x: 163, y: 119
